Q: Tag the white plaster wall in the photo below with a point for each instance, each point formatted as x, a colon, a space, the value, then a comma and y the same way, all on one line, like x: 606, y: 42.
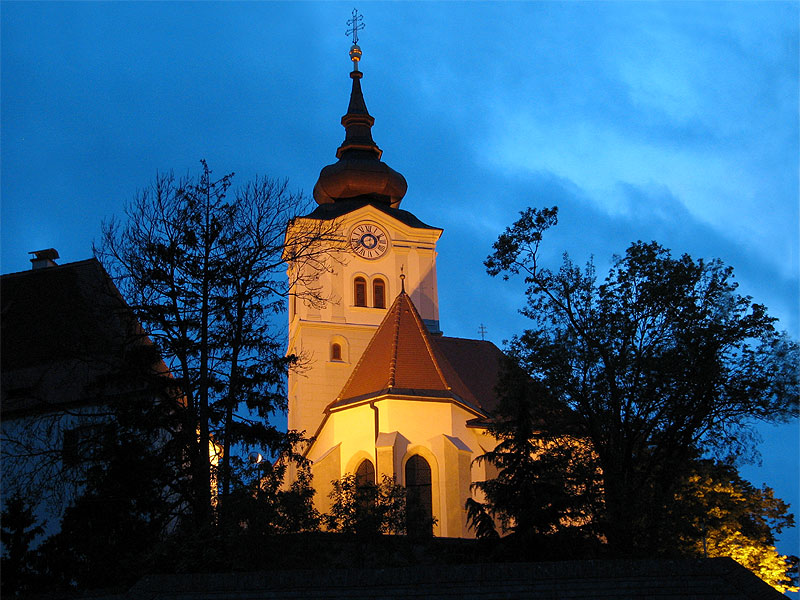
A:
x: 421, y: 426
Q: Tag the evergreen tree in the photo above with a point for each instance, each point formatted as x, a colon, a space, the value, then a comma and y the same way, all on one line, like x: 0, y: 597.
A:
x: 547, y: 482
x: 19, y: 530
x: 130, y: 503
x: 262, y: 502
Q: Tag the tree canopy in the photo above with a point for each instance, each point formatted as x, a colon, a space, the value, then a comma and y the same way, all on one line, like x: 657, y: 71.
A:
x: 717, y: 513
x: 661, y: 362
x: 206, y: 275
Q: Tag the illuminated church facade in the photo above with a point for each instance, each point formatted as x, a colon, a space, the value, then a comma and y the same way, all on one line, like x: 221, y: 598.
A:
x: 383, y: 392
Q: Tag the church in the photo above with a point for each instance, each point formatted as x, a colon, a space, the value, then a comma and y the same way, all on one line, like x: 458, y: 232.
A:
x: 384, y: 392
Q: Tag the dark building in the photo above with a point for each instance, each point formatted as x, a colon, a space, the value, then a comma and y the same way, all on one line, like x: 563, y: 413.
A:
x: 70, y: 350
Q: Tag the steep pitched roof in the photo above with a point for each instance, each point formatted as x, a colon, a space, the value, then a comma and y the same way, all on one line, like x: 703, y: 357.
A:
x: 478, y: 364
x: 67, y: 336
x: 50, y: 313
x: 403, y: 358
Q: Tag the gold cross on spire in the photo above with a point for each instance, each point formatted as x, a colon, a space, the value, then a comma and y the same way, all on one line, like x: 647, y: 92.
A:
x: 355, y: 24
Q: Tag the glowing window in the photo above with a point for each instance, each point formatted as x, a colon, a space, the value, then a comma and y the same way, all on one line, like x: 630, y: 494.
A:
x: 360, y: 291
x: 379, y: 293
x: 336, y: 351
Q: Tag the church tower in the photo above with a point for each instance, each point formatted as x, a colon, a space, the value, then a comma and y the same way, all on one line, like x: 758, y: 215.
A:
x: 381, y: 390
x: 358, y: 195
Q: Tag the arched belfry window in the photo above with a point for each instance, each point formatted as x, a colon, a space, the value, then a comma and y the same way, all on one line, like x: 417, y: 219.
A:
x: 360, y: 291
x: 336, y: 351
x: 419, y: 502
x: 379, y: 293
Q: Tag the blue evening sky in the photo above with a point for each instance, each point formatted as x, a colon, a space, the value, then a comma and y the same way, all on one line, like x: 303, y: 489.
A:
x: 641, y: 120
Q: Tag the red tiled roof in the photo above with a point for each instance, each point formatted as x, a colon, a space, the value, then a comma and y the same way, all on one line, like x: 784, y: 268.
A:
x: 403, y: 358
x: 478, y: 364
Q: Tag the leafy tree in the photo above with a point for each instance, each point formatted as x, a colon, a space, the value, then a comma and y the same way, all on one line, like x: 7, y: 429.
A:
x: 367, y: 509
x: 717, y: 513
x: 19, y: 530
x: 264, y: 505
x: 660, y: 362
x: 206, y: 276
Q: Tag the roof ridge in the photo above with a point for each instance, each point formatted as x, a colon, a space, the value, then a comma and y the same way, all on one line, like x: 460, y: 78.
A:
x: 53, y: 268
x: 395, y: 340
x: 426, y: 339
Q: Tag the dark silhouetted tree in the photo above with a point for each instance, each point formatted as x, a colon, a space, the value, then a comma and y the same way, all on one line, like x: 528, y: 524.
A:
x: 264, y: 504
x: 547, y: 482
x: 661, y: 362
x: 206, y: 277
x: 19, y: 530
x: 366, y: 508
x: 125, y: 510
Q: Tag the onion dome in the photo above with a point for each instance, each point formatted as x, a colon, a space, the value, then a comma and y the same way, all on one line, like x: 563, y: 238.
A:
x: 359, y: 173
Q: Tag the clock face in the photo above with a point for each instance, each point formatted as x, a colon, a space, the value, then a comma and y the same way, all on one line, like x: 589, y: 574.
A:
x: 369, y: 241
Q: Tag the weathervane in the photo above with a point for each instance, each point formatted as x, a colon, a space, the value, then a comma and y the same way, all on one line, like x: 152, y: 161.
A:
x: 355, y: 24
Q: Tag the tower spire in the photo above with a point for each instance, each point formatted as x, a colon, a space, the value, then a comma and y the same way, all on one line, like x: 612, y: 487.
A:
x: 359, y: 173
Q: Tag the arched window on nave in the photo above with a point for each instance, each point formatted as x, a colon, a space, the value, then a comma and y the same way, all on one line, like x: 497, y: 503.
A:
x: 365, y: 474
x: 419, y: 502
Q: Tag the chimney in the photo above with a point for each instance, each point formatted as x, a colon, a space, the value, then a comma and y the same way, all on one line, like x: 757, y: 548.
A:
x: 44, y: 258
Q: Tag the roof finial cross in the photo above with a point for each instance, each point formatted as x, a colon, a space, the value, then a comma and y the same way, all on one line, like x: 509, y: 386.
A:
x: 402, y: 281
x: 355, y: 24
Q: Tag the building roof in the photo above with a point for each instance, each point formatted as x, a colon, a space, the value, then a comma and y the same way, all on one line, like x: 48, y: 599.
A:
x: 478, y: 364
x: 49, y: 313
x: 403, y: 358
x: 63, y: 328
x: 343, y: 207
